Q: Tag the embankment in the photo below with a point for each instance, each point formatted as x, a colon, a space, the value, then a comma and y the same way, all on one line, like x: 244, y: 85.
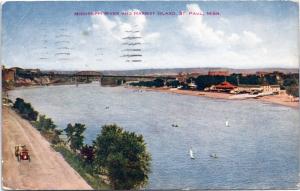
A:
x: 47, y: 169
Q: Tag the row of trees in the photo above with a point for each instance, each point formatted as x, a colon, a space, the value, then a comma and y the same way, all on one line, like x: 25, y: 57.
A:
x: 121, y: 155
x: 25, y: 110
x: 155, y: 83
x: 290, y: 82
x: 204, y: 81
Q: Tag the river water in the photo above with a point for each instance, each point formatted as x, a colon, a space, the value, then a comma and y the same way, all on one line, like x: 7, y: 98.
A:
x: 259, y: 149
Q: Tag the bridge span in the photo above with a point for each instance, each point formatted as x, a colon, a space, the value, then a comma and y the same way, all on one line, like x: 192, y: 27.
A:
x: 105, y: 80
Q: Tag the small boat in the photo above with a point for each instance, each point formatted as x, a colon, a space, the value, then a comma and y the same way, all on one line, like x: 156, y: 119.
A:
x: 227, y: 123
x: 174, y: 125
x: 191, y: 154
x: 106, y: 107
x: 213, y: 156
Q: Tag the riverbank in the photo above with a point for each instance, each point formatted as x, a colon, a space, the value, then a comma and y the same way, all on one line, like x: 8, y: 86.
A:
x: 284, y: 100
x: 47, y: 168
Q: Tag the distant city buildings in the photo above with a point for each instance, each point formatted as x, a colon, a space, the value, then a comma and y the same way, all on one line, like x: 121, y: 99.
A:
x: 8, y: 75
x: 218, y: 73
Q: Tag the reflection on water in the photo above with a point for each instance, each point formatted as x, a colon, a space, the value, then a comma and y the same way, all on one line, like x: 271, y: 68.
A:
x: 258, y: 150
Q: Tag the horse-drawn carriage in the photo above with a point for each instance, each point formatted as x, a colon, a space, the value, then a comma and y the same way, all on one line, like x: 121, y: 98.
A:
x: 22, y: 153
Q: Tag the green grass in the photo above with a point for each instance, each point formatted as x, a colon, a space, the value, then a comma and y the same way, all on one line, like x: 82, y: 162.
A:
x: 85, y: 171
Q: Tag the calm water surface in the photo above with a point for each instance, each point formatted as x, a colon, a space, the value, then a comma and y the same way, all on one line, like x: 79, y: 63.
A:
x: 260, y: 148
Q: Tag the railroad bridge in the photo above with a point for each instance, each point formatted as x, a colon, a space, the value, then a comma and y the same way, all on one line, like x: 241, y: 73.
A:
x: 105, y: 80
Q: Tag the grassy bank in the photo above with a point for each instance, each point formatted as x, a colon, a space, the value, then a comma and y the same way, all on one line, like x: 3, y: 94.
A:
x: 84, y: 170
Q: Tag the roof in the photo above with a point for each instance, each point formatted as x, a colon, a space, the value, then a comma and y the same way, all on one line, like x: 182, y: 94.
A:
x: 225, y: 85
x: 249, y: 86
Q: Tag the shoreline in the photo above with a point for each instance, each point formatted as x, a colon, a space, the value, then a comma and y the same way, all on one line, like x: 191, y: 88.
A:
x: 283, y: 100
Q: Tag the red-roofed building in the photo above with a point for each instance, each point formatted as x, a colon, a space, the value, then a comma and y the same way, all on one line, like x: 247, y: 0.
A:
x: 222, y: 87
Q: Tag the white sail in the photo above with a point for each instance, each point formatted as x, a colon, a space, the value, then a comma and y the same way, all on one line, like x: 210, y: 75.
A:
x: 227, y: 124
x: 191, y: 154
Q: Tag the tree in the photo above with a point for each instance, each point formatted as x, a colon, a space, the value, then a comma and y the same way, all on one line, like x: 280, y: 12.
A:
x: 45, y: 124
x: 173, y: 83
x: 75, y: 135
x: 25, y: 109
x: 87, y: 152
x: 293, y: 90
x: 123, y: 154
x: 19, y: 103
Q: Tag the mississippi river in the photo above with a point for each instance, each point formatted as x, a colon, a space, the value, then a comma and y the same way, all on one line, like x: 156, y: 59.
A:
x: 258, y: 150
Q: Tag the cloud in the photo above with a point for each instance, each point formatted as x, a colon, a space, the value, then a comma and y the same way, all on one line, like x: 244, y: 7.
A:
x: 195, y: 27
x: 250, y: 39
x: 206, y: 36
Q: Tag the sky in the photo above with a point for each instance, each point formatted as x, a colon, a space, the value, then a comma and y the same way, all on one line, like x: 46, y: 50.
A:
x: 241, y: 34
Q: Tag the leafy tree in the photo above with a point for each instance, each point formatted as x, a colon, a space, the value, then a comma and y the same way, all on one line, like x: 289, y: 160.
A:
x: 293, y: 90
x: 271, y: 79
x: 75, y: 135
x: 56, y: 139
x: 155, y: 83
x: 173, y: 83
x: 125, y: 157
x: 45, y: 124
x: 87, y: 152
x: 290, y: 82
x: 25, y: 109
x: 48, y: 129
x: 250, y: 79
x: 205, y: 81
x: 19, y: 103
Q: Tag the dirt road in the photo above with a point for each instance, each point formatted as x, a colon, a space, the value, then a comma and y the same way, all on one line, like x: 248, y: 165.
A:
x: 47, y: 169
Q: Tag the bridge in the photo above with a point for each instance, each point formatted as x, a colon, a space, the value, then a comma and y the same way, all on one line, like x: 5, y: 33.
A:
x: 105, y: 80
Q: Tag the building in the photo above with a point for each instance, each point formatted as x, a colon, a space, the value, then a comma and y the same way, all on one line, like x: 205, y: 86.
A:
x: 192, y: 86
x: 8, y: 75
x: 261, y: 73
x: 218, y: 73
x: 181, y: 77
x: 245, y: 88
x: 253, y: 89
x: 222, y: 87
x: 271, y: 88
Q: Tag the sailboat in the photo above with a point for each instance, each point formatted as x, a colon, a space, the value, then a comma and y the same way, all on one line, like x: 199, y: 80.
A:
x: 191, y: 154
x: 227, y: 123
x: 213, y: 156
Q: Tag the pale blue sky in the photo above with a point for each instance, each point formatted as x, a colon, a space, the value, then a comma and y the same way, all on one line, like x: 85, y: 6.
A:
x: 251, y: 34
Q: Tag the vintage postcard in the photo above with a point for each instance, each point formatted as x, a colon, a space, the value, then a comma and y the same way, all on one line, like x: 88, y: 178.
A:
x: 151, y: 95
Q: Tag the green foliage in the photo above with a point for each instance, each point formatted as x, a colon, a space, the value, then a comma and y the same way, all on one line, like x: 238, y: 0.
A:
x: 25, y: 109
x: 45, y: 124
x: 271, y: 79
x: 48, y: 129
x: 173, y: 83
x: 293, y: 90
x: 206, y: 81
x: 75, y: 135
x: 290, y: 82
x: 85, y: 171
x: 155, y: 83
x: 124, y: 155
x: 87, y: 152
